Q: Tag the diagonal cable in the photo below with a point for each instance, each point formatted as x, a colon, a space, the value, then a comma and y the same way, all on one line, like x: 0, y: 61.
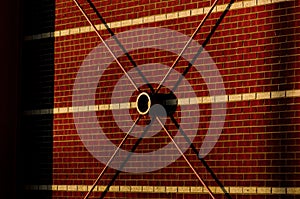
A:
x: 200, y: 158
x: 203, y: 45
x: 185, y: 158
x: 106, y: 45
x: 125, y: 161
x: 120, y: 45
x: 186, y: 45
x: 112, y: 157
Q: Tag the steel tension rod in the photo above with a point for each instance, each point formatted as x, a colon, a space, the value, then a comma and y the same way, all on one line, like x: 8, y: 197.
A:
x: 186, y: 45
x: 185, y: 158
x: 112, y: 157
x: 120, y: 45
x: 125, y: 161
x: 204, y: 163
x: 203, y: 44
x: 106, y: 45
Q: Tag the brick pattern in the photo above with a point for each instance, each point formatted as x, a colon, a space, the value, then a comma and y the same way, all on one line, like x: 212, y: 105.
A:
x: 149, y: 19
x: 171, y: 189
x: 182, y: 101
x: 256, y: 51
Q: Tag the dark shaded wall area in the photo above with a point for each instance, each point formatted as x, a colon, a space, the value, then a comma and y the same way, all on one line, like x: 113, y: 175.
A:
x: 9, y: 101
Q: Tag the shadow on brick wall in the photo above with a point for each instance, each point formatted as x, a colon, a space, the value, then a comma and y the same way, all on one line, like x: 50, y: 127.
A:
x: 282, y: 131
x: 37, y: 92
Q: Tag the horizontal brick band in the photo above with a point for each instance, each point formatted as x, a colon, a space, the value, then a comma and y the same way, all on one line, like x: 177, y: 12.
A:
x: 172, y: 189
x: 153, y: 18
x: 183, y: 101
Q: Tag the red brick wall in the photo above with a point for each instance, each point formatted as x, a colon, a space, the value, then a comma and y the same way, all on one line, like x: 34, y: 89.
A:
x: 256, y: 50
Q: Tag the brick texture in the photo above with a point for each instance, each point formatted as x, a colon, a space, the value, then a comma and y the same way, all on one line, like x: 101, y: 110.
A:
x: 256, y: 50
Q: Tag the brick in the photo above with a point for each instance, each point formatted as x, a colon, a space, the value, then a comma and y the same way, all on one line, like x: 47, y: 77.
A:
x: 221, y: 98
x: 159, y: 189
x: 196, y: 189
x: 100, y: 188
x: 74, y: 31
x: 125, y: 188
x: 184, y: 189
x: 198, y: 11
x: 278, y: 190
x: 149, y: 19
x: 132, y: 105
x: 137, y: 21
x: 235, y: 97
x: 114, y: 188
x: 54, y: 187
x: 114, y: 106
x: 46, y: 35
x: 207, y: 100
x: 124, y: 105
x: 185, y: 13
x: 200, y: 100
x: 93, y: 108
x: 63, y: 110
x: 171, y: 189
x: 293, y: 93
x: 219, y: 190
x: 184, y: 101
x: 115, y: 24
x: 194, y: 100
x: 250, y: 3
x: 136, y: 188
x: 172, y: 15
x: 82, y: 188
x: 126, y: 22
x: 84, y: 29
x: 237, y: 5
x: 55, y: 110
x: 249, y: 96
x: 148, y: 189
x: 221, y: 8
x: 43, y: 187
x: 72, y: 187
x: 263, y: 2
x: 161, y: 17
x: 62, y: 187
x: 264, y: 95
x: 212, y: 188
x: 236, y: 190
x: 83, y: 108
x: 36, y: 37
x: 277, y: 94
x: 103, y: 107
x: 65, y: 32
x: 249, y: 190
x: 293, y: 190
x: 277, y: 1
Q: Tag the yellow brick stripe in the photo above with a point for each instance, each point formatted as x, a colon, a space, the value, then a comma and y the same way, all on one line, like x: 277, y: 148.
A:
x: 151, y: 19
x: 172, y: 189
x: 183, y: 101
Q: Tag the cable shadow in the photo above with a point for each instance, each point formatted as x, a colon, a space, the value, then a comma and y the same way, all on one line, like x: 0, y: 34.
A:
x: 120, y: 45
